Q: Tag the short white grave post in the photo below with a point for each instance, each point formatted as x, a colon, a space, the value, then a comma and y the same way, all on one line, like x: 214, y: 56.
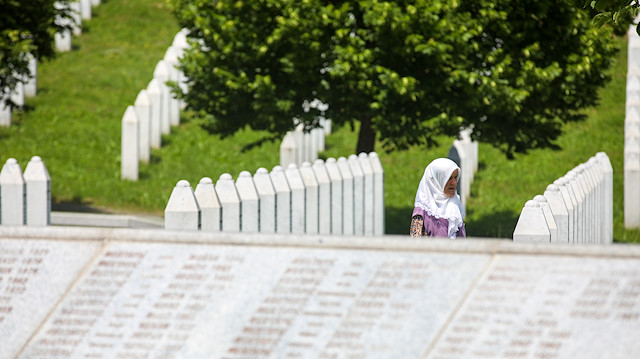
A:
x: 129, y: 158
x: 378, y: 189
x: 559, y: 210
x: 250, y: 209
x: 548, y: 216
x: 580, y: 179
x: 230, y: 201
x: 347, y: 196
x: 369, y: 193
x: 12, y: 194
x: 17, y: 96
x: 532, y: 225
x: 358, y: 194
x: 607, y: 172
x: 182, y: 212
x: 267, y: 196
x: 298, y: 207
x: 154, y: 91
x: 311, y: 198
x: 38, y: 193
x: 210, y: 207
x: 336, y: 195
x: 324, y: 196
x: 143, y: 110
x: 309, y: 150
x: 283, y: 200
x: 288, y: 150
x: 161, y: 73
x: 31, y: 83
x: 457, y: 155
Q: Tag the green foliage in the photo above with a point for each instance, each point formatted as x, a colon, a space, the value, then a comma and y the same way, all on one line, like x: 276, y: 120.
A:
x: 617, y: 13
x: 26, y: 27
x: 514, y: 71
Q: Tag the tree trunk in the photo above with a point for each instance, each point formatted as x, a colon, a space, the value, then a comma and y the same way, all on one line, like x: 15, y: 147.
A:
x: 366, y: 138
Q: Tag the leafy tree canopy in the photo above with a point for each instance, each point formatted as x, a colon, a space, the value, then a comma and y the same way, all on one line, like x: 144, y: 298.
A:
x: 408, y: 71
x: 618, y: 13
x: 27, y: 27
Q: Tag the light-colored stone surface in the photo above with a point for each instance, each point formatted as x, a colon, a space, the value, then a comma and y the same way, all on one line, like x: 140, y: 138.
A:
x: 336, y: 195
x: 324, y: 195
x: 154, y: 91
x: 11, y: 194
x: 378, y: 187
x: 182, y: 211
x: 297, y: 198
x: 347, y: 196
x: 283, y: 199
x: 250, y: 207
x: 216, y: 295
x: 369, y: 193
x: 532, y: 225
x: 230, y: 201
x: 143, y: 110
x: 311, y: 198
x: 34, y: 275
x: 210, y: 207
x: 358, y: 194
x: 161, y: 73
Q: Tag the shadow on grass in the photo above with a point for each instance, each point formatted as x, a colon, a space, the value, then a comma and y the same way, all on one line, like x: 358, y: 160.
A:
x: 74, y: 205
x: 495, y: 225
x: 397, y: 220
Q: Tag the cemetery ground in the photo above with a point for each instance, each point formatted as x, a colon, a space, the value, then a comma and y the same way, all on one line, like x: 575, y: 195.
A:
x: 74, y: 124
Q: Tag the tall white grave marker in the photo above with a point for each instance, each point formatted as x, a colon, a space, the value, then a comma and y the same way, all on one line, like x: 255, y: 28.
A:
x: 336, y: 195
x: 182, y: 212
x: 129, y: 158
x: 230, y: 201
x: 378, y: 184
x: 210, y: 207
x: 11, y: 194
x: 532, y: 225
x: 347, y: 196
x: 250, y: 210
x: 369, y: 193
x: 267, y: 195
x: 283, y: 200
x: 143, y: 110
x: 161, y: 73
x: 324, y: 196
x: 38, y: 193
x: 358, y: 194
x: 298, y: 207
x: 154, y: 91
x: 311, y: 198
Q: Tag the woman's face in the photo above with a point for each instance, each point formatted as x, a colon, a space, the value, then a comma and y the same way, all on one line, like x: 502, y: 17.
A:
x: 452, y: 183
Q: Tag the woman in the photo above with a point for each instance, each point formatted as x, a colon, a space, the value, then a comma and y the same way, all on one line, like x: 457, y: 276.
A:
x: 438, y: 211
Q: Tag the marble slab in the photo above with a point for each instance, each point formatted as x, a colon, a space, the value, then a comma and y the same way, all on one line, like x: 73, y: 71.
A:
x: 155, y: 300
x: 34, y: 275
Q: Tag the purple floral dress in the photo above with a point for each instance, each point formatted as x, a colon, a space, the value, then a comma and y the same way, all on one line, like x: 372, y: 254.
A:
x: 425, y: 225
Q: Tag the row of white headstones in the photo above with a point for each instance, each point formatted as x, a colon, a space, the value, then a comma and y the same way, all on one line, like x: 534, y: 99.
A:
x: 81, y: 10
x: 577, y: 208
x: 343, y: 196
x: 632, y: 134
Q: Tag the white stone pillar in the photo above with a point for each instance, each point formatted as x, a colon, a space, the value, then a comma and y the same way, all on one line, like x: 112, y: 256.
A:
x: 559, y: 211
x: 569, y: 203
x: 17, y: 96
x: 347, y: 196
x: 62, y: 39
x: 631, y: 189
x: 250, y: 210
x: 336, y: 195
x: 311, y: 198
x: 283, y: 200
x: 548, y: 216
x: 143, y: 110
x: 154, y: 91
x: 267, y: 196
x: 576, y: 189
x: 12, y: 195
x: 358, y: 194
x: 378, y: 188
x: 171, y: 59
x: 369, y: 193
x: 309, y: 150
x: 161, y: 73
x: 324, y: 196
x: 288, y: 150
x: 76, y: 15
x: 85, y: 6
x: 532, y: 225
x: 129, y: 158
x: 210, y: 207
x: 298, y: 136
x: 182, y: 212
x: 38, y: 193
x: 230, y: 201
x: 607, y: 171
x: 298, y: 207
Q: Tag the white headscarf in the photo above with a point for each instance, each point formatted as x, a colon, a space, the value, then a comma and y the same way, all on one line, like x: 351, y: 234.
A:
x: 431, y: 198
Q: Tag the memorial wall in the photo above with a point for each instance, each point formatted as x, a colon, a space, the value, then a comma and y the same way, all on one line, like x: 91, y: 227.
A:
x: 116, y: 293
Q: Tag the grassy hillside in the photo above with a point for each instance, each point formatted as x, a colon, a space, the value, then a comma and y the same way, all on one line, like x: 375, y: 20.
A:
x: 74, y: 125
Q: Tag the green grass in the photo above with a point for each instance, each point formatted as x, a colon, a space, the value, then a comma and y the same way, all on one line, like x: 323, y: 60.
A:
x: 74, y: 124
